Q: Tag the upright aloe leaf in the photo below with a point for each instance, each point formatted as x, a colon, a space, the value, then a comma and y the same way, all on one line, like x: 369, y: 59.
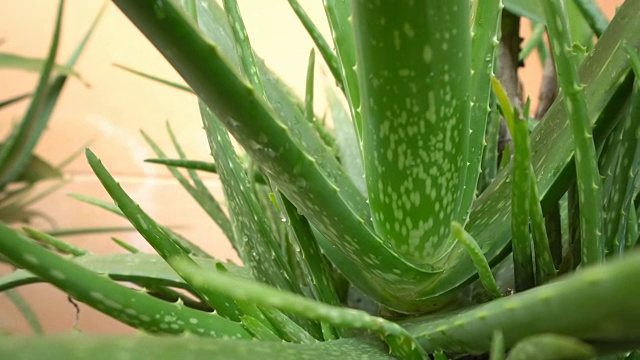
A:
x: 413, y: 61
x: 484, y: 42
x: 585, y: 154
x: 256, y: 244
x: 339, y: 16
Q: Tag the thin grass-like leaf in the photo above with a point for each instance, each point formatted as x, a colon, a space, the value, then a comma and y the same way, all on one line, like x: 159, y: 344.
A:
x: 155, y: 78
x: 130, y: 248
x: 198, y: 192
x: 14, y: 100
x: 593, y: 15
x: 325, y: 50
x: 89, y: 230
x: 20, y: 145
x: 187, y: 245
x: 497, y: 346
x: 257, y: 245
x: 308, y: 98
x: 17, y: 149
x: 534, y: 41
x: 520, y: 205
x: 479, y: 261
x: 187, y: 164
x: 13, y: 61
x: 243, y: 46
x: 26, y: 311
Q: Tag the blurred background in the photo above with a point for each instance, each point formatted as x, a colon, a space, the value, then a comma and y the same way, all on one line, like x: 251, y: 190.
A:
x: 109, y: 112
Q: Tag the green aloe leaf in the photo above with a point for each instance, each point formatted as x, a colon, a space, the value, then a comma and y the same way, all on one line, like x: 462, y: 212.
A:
x: 325, y: 50
x: 139, y: 268
x: 187, y: 348
x: 14, y: 61
x: 163, y: 243
x: 400, y: 343
x: 155, y: 78
x: 187, y: 245
x: 237, y: 103
x: 415, y: 143
x: 588, y: 177
x: 551, y: 347
x: 129, y: 306
x: 197, y: 190
x: 17, y: 149
x: 257, y: 246
x: 14, y: 100
x: 26, y: 311
x: 346, y: 141
x: 484, y: 43
x: 603, y: 75
x: 340, y: 22
x: 320, y: 189
x: 577, y: 300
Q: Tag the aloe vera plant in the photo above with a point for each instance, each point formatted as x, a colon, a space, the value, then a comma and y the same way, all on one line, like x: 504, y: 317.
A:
x: 371, y: 239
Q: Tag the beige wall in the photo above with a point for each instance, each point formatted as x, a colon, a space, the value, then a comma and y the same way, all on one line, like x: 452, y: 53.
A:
x: 112, y: 111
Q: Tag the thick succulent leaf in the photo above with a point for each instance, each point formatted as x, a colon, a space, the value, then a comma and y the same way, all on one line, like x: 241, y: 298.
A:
x: 576, y: 299
x: 484, y: 42
x: 491, y: 218
x: 339, y: 16
x: 284, y: 104
x: 415, y: 128
x: 320, y: 190
x: 347, y: 141
x: 257, y: 246
x: 132, y: 307
x: 94, y: 347
x: 137, y: 268
x: 551, y: 347
x: 603, y: 75
x: 163, y: 243
x: 588, y: 177
x: 400, y: 343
